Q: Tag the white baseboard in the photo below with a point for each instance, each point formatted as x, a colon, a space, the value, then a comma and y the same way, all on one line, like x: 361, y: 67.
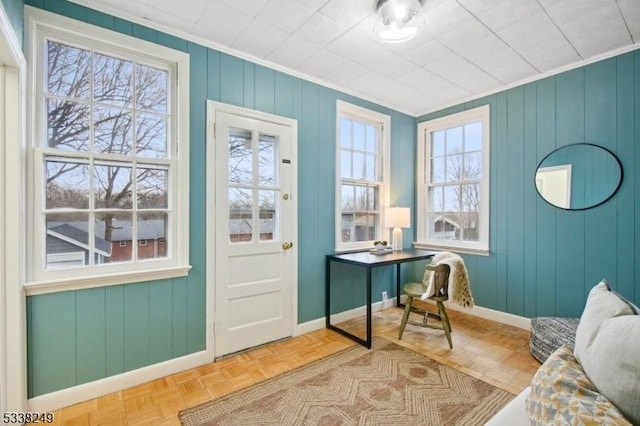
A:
x: 63, y: 398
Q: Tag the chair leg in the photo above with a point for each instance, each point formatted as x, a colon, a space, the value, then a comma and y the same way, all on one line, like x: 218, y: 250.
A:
x: 405, y: 317
x: 445, y: 323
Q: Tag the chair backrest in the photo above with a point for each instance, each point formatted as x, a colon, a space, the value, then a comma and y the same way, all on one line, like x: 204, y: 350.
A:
x: 440, y: 278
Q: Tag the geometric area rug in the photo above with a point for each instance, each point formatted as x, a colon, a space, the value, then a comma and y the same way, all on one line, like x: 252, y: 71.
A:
x: 386, y: 385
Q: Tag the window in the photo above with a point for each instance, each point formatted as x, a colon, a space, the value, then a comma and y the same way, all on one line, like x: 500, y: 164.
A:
x: 109, y: 154
x: 453, y: 182
x: 362, y: 168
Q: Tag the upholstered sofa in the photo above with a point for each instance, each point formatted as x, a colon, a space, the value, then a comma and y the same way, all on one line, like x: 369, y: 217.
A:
x: 598, y: 382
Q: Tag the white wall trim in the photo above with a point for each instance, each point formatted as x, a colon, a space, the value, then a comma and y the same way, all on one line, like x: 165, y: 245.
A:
x: 86, y: 391
x: 13, y: 328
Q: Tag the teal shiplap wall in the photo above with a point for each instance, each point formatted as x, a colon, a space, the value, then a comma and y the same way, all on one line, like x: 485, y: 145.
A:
x: 15, y: 12
x: 545, y: 260
x: 79, y: 336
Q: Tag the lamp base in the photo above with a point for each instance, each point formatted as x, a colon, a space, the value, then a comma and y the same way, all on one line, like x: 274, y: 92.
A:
x: 397, y: 239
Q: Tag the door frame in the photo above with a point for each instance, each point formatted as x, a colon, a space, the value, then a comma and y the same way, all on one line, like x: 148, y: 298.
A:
x: 212, y: 108
x: 13, y: 327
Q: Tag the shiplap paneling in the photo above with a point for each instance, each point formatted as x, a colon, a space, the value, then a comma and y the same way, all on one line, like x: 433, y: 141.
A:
x: 545, y: 260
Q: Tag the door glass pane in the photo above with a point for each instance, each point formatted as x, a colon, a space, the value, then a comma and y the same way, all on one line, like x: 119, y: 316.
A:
x: 240, y: 215
x: 152, y: 235
x: 268, y: 215
x: 67, y: 240
x: 240, y: 157
x: 67, y: 185
x: 267, y: 161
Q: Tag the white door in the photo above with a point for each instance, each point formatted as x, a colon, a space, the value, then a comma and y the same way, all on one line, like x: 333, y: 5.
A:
x: 255, y: 230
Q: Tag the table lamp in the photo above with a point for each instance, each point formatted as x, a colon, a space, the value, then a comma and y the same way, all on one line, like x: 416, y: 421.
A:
x: 398, y: 218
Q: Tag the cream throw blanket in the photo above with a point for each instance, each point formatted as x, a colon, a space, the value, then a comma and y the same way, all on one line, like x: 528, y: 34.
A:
x: 459, y: 287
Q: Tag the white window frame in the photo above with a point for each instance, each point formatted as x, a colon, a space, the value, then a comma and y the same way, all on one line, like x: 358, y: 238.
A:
x: 41, y: 26
x: 345, y: 109
x: 423, y: 175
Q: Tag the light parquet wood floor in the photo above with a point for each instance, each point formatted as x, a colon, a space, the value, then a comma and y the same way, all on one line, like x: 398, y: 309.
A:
x: 490, y: 351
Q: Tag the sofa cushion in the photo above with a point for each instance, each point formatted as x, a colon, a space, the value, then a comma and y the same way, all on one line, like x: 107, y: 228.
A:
x: 562, y: 394
x: 607, y: 348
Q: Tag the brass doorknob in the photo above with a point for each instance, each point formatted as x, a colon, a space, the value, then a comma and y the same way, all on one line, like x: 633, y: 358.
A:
x: 286, y: 246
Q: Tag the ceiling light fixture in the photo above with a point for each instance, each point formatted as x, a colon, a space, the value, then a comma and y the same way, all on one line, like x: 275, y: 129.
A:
x: 397, y: 20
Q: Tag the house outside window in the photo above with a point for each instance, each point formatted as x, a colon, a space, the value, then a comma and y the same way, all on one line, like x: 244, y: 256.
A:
x: 453, y: 182
x: 109, y: 155
x: 362, y: 168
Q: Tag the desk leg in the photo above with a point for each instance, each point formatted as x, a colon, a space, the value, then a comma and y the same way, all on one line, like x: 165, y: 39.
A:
x: 368, y: 308
x: 327, y: 293
x: 398, y: 304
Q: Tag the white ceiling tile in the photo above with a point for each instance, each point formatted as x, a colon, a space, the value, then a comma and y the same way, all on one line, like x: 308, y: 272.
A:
x: 322, y: 63
x: 396, y: 67
x: 259, y: 39
x: 345, y: 72
x: 504, y: 14
x: 433, y: 85
x: 168, y: 19
x: 478, y: 7
x: 320, y: 30
x: 348, y: 12
x: 442, y: 16
x: 221, y: 23
x: 425, y: 53
x: 462, y: 73
x: 177, y: 9
x: 248, y: 7
x: 314, y: 4
x: 287, y: 15
x: 505, y: 65
x: 592, y: 31
x: 293, y: 51
x: 540, y: 43
x: 631, y: 13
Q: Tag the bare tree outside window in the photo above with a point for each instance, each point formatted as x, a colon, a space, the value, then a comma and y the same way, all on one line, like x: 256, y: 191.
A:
x: 107, y: 151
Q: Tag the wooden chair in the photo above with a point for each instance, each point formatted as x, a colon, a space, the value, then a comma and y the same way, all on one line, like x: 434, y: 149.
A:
x: 416, y: 290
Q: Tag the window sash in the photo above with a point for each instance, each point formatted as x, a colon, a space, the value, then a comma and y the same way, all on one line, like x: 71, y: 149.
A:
x: 365, y: 146
x: 457, y: 218
x: 164, y: 196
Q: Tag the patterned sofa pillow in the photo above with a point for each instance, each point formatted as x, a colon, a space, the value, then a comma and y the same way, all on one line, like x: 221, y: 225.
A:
x: 561, y: 393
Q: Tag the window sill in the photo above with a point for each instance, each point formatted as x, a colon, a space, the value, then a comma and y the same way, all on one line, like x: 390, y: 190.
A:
x: 456, y: 249
x: 79, y: 283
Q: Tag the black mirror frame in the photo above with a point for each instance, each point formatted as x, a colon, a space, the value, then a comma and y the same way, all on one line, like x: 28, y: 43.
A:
x: 615, y: 157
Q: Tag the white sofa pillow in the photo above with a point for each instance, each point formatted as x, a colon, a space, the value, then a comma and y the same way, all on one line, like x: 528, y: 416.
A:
x: 607, y: 348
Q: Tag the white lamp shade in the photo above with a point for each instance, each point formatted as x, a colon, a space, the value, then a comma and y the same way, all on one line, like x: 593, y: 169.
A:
x: 398, y: 217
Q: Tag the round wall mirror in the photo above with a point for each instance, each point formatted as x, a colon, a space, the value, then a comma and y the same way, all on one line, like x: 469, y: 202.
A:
x: 578, y: 176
